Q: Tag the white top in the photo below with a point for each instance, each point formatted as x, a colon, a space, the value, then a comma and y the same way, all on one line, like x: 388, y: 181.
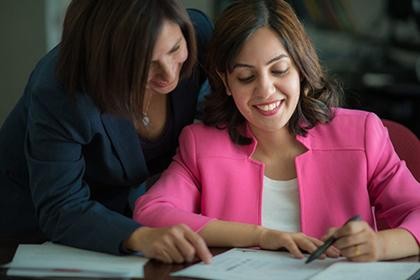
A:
x: 280, y: 205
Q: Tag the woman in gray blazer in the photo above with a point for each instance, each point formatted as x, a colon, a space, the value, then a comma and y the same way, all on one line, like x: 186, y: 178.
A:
x: 101, y: 114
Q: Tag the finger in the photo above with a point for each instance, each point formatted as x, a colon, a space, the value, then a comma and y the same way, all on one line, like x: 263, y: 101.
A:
x: 185, y: 248
x: 357, y: 252
x: 293, y: 249
x: 199, y: 245
x: 332, y: 251
x: 351, y: 228
x: 317, y: 242
x: 330, y: 232
x: 309, y: 244
x: 162, y: 255
x: 351, y: 240
x: 173, y: 252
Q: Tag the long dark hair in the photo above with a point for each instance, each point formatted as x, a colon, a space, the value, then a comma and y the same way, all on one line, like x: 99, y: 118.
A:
x: 236, y: 24
x: 107, y: 45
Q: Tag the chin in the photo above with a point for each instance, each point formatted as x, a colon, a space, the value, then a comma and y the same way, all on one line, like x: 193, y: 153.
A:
x: 165, y: 90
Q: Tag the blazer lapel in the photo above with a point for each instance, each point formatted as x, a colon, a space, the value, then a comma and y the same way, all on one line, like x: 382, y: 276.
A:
x: 126, y: 142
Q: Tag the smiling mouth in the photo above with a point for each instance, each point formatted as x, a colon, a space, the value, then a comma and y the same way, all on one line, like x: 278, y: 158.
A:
x: 268, y: 107
x: 162, y: 84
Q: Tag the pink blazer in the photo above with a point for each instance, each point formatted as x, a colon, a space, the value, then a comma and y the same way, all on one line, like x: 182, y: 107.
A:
x: 350, y: 168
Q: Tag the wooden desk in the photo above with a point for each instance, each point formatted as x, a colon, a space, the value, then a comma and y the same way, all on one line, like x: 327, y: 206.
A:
x: 153, y: 270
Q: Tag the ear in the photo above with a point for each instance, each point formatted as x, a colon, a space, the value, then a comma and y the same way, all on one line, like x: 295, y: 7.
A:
x: 222, y: 77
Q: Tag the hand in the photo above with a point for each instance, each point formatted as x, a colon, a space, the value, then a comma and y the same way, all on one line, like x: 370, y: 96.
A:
x: 294, y: 242
x: 357, y: 241
x: 176, y: 244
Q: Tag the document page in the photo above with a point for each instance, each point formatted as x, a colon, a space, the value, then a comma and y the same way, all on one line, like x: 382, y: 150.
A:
x: 48, y: 259
x: 253, y: 264
x: 371, y: 271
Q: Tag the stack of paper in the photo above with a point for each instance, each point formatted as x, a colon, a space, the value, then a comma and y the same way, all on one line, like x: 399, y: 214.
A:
x: 49, y: 260
x: 250, y: 264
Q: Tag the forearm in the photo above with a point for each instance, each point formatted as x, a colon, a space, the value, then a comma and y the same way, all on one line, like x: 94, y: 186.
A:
x: 397, y: 243
x: 230, y: 234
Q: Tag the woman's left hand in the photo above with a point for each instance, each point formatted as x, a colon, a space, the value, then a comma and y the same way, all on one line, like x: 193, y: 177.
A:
x: 358, y: 242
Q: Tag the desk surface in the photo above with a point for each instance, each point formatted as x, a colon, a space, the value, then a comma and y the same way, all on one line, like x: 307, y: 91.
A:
x: 152, y: 270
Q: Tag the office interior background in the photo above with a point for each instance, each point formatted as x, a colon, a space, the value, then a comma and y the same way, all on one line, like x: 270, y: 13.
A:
x: 372, y: 47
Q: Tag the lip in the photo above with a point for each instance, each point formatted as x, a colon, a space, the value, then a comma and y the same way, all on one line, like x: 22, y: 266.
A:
x: 270, y: 112
x: 162, y: 85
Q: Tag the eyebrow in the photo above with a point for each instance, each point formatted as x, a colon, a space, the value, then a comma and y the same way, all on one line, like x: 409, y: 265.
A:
x: 274, y: 59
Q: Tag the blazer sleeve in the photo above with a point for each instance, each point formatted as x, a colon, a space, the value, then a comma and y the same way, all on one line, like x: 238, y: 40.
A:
x: 394, y: 192
x: 55, y: 136
x: 176, y: 197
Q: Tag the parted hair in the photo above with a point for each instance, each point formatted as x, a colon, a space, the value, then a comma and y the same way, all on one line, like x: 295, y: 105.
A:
x: 237, y: 23
x: 107, y: 47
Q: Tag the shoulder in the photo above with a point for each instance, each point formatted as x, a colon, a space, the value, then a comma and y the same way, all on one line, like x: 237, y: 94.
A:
x: 48, y: 100
x: 348, y: 129
x: 205, y: 135
x: 209, y: 141
x: 352, y: 120
x: 203, y: 27
x: 202, y: 23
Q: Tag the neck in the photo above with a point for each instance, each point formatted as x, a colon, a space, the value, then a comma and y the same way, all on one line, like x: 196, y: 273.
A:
x: 271, y: 143
x: 278, y: 151
x: 156, y: 114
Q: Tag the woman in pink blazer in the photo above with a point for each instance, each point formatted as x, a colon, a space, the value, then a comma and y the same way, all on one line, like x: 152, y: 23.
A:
x: 276, y: 163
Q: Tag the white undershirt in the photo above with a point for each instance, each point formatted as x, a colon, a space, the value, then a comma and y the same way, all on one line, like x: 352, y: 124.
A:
x: 280, y: 205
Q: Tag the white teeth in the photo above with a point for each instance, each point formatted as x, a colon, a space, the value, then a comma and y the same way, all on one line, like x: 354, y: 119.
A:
x: 269, y: 107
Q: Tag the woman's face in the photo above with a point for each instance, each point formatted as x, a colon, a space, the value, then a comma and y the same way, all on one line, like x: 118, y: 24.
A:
x: 169, y: 54
x: 264, y: 82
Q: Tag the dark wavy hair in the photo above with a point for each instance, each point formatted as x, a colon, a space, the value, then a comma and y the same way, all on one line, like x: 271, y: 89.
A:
x: 107, y: 46
x: 237, y: 23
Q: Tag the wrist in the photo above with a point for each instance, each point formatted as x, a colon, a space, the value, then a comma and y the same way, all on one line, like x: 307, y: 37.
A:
x: 381, y: 246
x: 260, y: 232
x: 136, y: 240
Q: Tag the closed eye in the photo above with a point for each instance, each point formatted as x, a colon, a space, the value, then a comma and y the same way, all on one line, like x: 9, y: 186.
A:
x: 175, y: 48
x: 280, y: 72
x: 246, y: 79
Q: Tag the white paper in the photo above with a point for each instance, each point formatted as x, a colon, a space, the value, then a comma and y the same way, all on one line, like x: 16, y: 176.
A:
x: 50, y: 259
x: 253, y: 264
x: 371, y: 271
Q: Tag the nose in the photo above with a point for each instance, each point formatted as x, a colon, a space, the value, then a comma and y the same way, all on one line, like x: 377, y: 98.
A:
x: 265, y: 86
x: 167, y: 70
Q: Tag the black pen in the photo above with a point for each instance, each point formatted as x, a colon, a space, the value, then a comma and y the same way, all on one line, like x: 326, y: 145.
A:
x: 321, y: 249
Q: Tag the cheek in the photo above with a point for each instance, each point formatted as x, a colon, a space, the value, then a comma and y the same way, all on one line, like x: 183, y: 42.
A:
x: 152, y: 74
x: 293, y: 89
x: 241, y: 102
x: 297, y: 92
x: 149, y: 76
x: 182, y: 56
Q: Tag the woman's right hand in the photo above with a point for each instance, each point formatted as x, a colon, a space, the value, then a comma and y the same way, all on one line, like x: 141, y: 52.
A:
x: 175, y: 244
x: 294, y: 242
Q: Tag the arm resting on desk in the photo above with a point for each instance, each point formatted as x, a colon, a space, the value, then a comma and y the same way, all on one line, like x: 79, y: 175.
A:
x: 398, y: 243
x: 231, y: 234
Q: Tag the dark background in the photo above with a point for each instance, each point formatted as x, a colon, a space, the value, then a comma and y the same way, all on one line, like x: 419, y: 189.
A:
x: 372, y: 47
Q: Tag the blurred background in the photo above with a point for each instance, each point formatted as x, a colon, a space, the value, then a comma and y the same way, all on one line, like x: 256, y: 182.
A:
x: 372, y: 47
